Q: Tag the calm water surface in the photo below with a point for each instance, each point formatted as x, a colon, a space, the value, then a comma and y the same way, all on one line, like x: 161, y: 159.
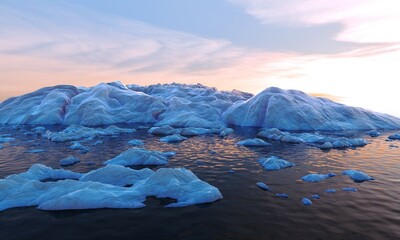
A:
x: 246, y: 212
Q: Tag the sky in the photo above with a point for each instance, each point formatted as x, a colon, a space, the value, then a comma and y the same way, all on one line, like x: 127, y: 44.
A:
x: 346, y: 50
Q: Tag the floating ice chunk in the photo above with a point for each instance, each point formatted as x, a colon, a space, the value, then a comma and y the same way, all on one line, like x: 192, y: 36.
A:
x: 274, y: 163
x: 75, y: 132
x: 395, y: 136
x: 116, y: 175
x: 35, y: 151
x: 314, y: 177
x: 79, y: 146
x: 1, y: 146
x: 373, y: 133
x: 315, y: 196
x: 173, y: 138
x: 180, y: 184
x: 282, y: 195
x: 326, y: 145
x: 225, y: 132
x: 71, y: 160
x: 263, y: 186
x: 139, y: 156
x: 357, y: 176
x: 41, y: 172
x: 306, y: 202
x: 39, y: 130
x: 194, y: 131
x: 231, y: 171
x: 254, y: 142
x: 349, y: 189
x: 163, y: 130
x: 136, y: 142
x: 330, y: 190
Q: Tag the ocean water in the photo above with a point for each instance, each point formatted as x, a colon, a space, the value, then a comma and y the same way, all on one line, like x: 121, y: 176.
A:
x: 245, y: 212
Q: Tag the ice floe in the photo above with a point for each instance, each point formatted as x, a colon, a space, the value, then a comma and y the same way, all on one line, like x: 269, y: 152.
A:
x: 173, y: 138
x: 254, y: 142
x: 274, y: 163
x: 71, y: 160
x: 315, y: 177
x: 75, y: 132
x: 357, y: 176
x: 140, y: 156
x: 102, y: 188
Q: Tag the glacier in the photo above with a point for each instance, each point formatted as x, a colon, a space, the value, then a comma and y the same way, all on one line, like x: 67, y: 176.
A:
x: 102, y: 188
x: 192, y: 109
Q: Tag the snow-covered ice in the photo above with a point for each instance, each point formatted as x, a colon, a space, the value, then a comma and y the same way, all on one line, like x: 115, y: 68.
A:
x: 274, y: 163
x: 254, y: 142
x: 357, y: 176
x: 140, y: 156
x: 315, y: 177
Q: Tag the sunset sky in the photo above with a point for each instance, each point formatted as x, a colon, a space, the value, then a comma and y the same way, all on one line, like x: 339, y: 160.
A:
x: 347, y: 50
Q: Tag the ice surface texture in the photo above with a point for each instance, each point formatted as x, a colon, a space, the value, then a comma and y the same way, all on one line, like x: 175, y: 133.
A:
x: 187, y: 106
x: 102, y: 188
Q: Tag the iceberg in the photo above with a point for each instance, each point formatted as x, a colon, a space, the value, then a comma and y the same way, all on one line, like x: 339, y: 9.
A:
x: 313, y: 139
x: 373, y: 133
x: 306, y: 202
x: 71, y: 160
x: 295, y: 110
x: 139, y: 156
x: 349, y: 189
x: 254, y: 142
x: 186, y: 106
x: 315, y: 177
x: 274, y: 163
x: 263, y: 186
x: 395, y: 136
x: 76, y: 132
x: 357, y: 176
x: 102, y: 188
x: 173, y: 138
x: 315, y: 196
x: 136, y: 142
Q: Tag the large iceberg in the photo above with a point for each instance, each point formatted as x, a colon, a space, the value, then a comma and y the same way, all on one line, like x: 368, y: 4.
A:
x: 295, y: 110
x: 182, y: 106
x: 102, y: 188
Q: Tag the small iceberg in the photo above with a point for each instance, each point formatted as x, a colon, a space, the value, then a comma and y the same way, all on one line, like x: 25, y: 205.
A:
x: 395, y: 136
x: 274, y: 163
x: 330, y: 190
x: 349, y: 189
x: 357, y: 176
x: 71, y: 160
x: 35, y: 151
x: 140, y: 156
x: 373, y: 133
x: 254, y: 142
x: 136, y: 142
x: 315, y: 177
x: 173, y: 138
x: 263, y: 186
x: 79, y: 146
x: 315, y: 196
x: 282, y: 195
x: 306, y: 202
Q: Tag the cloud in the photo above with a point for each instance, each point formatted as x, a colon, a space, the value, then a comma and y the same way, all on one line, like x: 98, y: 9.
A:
x: 363, y: 21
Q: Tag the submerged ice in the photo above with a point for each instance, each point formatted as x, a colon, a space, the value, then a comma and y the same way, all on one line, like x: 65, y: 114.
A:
x: 102, y: 188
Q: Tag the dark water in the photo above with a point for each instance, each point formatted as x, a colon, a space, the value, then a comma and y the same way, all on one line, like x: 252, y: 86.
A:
x: 246, y: 212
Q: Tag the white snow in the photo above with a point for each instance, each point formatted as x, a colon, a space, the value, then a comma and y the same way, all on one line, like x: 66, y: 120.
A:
x: 71, y: 160
x: 173, y: 138
x: 254, y: 142
x: 140, y: 156
x: 274, y: 163
x: 357, y: 176
x: 75, y: 132
x: 315, y: 177
x: 102, y: 188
